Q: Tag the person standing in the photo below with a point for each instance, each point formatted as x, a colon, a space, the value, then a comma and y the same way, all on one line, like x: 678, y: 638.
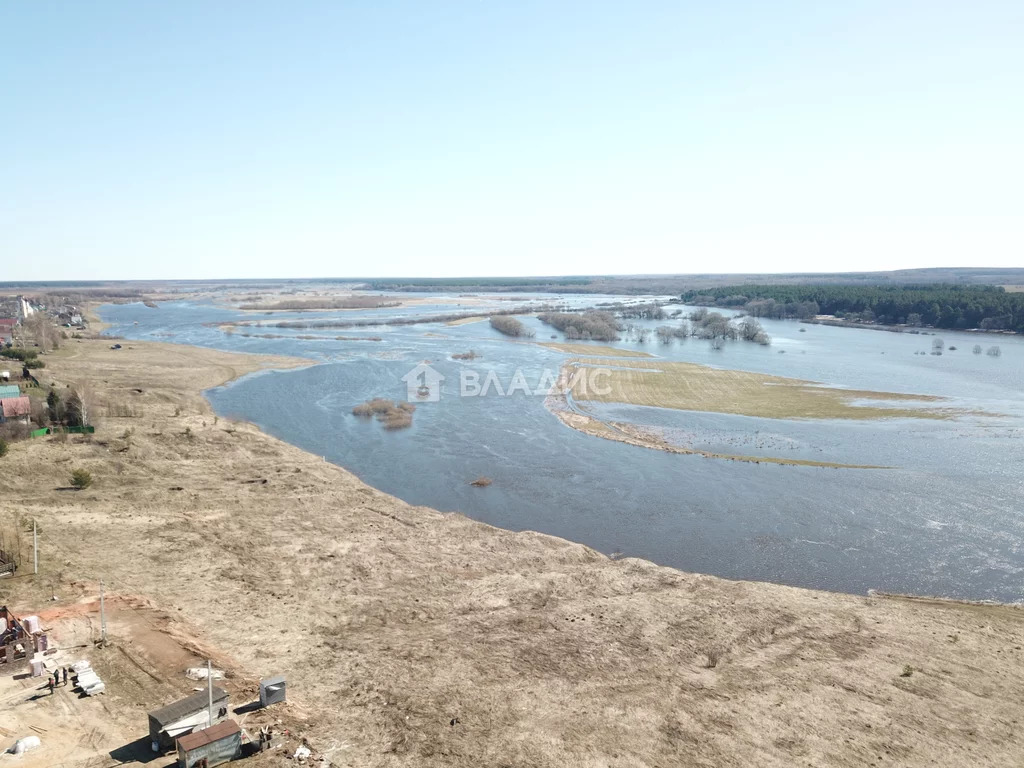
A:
x: 65, y: 675
x: 49, y: 682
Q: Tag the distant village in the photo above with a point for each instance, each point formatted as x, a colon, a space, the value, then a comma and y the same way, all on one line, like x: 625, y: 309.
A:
x: 30, y: 327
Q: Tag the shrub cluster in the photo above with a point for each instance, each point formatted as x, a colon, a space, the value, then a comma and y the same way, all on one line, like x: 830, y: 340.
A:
x: 28, y: 357
x: 716, y: 328
x: 593, y: 324
x: 510, y: 326
x: 392, y: 414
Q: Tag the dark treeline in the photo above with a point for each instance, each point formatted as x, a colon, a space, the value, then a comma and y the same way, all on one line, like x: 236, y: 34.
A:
x: 635, y: 285
x: 989, y: 308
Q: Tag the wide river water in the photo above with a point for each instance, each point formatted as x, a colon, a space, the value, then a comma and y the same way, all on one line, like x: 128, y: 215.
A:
x: 947, y: 519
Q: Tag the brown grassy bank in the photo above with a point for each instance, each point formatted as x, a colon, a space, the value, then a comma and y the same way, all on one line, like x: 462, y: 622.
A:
x: 643, y: 437
x: 416, y: 638
x: 693, y: 387
x: 596, y: 350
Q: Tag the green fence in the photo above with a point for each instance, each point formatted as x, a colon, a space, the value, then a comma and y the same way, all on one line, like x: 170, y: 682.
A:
x: 68, y: 430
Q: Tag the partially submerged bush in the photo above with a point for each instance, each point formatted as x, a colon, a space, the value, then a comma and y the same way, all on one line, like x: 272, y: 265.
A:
x: 591, y: 325
x: 371, y: 407
x: 471, y: 355
x: 510, y: 326
x: 482, y: 482
x: 396, y: 419
x: 393, y: 415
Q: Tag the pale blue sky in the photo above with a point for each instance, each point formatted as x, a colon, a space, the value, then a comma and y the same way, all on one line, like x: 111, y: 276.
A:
x: 298, y: 139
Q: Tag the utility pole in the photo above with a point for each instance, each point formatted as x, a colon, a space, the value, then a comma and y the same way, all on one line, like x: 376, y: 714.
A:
x: 35, y: 549
x: 209, y: 687
x: 103, y: 618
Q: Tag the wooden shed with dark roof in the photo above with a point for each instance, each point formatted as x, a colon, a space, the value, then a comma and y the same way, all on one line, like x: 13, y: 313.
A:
x: 182, y: 717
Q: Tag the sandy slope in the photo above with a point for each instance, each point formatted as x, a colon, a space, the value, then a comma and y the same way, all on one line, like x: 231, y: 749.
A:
x: 416, y: 638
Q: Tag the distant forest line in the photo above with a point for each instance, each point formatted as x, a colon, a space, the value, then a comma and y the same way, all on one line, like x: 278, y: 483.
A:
x: 954, y: 307
x: 631, y: 284
x: 671, y: 285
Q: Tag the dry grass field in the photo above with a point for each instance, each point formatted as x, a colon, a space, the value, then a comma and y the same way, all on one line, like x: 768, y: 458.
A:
x: 692, y: 387
x: 593, y: 349
x: 416, y: 638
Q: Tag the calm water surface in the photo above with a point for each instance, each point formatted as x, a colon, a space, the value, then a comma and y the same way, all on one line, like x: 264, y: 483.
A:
x: 946, y: 520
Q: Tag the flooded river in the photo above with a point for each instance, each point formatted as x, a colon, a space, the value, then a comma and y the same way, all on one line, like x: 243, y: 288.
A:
x: 947, y: 519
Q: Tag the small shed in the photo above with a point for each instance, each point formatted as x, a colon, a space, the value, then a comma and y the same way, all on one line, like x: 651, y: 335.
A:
x: 217, y: 744
x: 9, y: 390
x: 272, y: 690
x: 182, y: 717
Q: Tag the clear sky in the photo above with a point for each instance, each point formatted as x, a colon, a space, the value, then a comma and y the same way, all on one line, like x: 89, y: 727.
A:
x: 298, y: 139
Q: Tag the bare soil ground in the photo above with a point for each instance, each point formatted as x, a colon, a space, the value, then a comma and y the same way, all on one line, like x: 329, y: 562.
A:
x: 143, y: 666
x: 416, y: 638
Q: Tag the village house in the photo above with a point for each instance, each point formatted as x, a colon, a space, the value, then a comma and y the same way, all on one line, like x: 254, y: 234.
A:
x: 15, y: 409
x: 7, y: 329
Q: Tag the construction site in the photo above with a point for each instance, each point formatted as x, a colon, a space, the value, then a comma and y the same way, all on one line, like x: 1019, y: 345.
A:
x: 158, y: 707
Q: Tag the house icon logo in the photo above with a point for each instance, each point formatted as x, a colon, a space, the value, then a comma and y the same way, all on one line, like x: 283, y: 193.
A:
x: 423, y: 384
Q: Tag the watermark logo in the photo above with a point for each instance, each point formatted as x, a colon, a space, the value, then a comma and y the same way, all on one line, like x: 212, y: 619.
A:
x: 423, y: 384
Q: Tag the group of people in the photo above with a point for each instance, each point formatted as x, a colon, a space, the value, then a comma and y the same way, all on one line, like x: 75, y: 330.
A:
x: 54, y: 680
